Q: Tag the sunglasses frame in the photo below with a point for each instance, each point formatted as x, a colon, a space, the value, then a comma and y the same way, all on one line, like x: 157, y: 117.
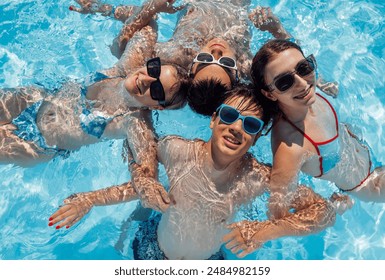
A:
x: 243, y: 118
x: 162, y: 98
x: 215, y: 61
x: 310, y: 59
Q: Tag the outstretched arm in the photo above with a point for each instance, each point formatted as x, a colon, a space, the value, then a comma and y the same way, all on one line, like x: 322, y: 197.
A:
x: 121, y: 13
x: 311, y: 214
x: 79, y: 204
x: 138, y: 20
x: 142, y: 156
x: 264, y: 19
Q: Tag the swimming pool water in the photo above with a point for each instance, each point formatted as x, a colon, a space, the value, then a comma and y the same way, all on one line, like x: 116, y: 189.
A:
x: 43, y: 42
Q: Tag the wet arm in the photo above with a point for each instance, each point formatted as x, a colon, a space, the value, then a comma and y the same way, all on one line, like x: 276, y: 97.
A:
x: 137, y: 51
x: 311, y: 214
x: 144, y: 164
x: 79, y: 204
x: 139, y: 19
x: 120, y: 12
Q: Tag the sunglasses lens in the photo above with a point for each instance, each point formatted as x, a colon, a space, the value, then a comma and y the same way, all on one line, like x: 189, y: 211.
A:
x: 306, y: 67
x: 204, y: 57
x: 252, y: 125
x: 285, y: 82
x: 153, y: 67
x: 157, y: 91
x: 227, y: 61
x: 228, y: 115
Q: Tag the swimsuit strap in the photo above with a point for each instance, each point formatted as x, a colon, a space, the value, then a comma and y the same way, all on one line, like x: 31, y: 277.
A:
x: 316, y: 144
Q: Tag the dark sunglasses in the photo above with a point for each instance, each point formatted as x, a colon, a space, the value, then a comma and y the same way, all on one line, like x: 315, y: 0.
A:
x: 156, y: 88
x: 285, y: 81
x: 223, y: 61
x: 228, y: 115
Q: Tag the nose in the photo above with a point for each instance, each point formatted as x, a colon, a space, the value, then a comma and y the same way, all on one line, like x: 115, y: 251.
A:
x: 217, y: 53
x: 146, y: 79
x: 299, y: 81
x: 236, y: 127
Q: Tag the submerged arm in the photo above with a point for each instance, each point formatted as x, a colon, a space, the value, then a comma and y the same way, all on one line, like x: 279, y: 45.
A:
x: 121, y: 13
x: 79, y: 204
x: 138, y: 20
x: 142, y: 153
x: 311, y: 214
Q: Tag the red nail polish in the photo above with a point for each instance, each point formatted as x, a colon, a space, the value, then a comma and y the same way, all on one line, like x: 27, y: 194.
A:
x: 57, y: 227
x: 67, y: 226
x: 71, y: 8
x: 50, y: 224
x: 50, y: 219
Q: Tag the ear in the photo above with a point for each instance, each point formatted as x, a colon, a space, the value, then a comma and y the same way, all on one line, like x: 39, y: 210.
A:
x: 268, y: 95
x: 213, y: 117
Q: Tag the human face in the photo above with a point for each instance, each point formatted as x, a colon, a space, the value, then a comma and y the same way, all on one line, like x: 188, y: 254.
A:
x: 231, y: 141
x: 203, y: 71
x: 139, y: 83
x: 302, y: 90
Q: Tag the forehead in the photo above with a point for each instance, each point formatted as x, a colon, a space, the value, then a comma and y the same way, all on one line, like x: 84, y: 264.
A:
x: 246, y: 106
x: 283, y: 62
x: 211, y: 71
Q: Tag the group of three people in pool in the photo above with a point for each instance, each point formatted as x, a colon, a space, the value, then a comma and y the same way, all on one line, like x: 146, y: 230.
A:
x: 246, y: 236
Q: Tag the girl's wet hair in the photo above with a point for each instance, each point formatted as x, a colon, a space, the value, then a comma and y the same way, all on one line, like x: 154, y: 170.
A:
x: 179, y: 99
x: 265, y: 54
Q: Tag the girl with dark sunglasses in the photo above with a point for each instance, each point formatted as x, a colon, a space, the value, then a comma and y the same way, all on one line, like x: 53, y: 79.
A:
x: 306, y: 133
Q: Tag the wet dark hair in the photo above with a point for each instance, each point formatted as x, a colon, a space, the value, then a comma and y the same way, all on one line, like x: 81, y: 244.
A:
x: 265, y: 54
x: 204, y: 96
x: 249, y: 101
x: 179, y: 98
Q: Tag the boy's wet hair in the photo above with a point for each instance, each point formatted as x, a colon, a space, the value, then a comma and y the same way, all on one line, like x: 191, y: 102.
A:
x: 249, y: 101
x: 204, y: 96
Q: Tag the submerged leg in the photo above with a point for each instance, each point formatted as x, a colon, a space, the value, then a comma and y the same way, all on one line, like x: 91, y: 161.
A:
x: 14, y: 100
x: 17, y: 151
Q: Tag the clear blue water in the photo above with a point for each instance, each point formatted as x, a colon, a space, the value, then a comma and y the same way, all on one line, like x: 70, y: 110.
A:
x: 43, y: 42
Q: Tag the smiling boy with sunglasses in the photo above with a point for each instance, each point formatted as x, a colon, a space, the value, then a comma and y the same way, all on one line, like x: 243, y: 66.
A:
x: 209, y: 181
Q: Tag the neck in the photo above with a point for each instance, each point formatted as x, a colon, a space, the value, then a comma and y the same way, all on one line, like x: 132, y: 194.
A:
x: 296, y: 115
x: 219, y: 162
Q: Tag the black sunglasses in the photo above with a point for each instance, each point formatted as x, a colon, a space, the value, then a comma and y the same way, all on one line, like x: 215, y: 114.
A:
x: 285, y: 81
x: 156, y: 88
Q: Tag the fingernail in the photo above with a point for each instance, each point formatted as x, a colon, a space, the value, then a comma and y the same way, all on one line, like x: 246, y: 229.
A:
x: 57, y: 227
x: 71, y: 8
x: 50, y: 219
x: 67, y: 226
x: 50, y: 224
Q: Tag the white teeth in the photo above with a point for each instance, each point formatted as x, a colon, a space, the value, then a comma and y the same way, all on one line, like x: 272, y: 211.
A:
x: 232, y: 140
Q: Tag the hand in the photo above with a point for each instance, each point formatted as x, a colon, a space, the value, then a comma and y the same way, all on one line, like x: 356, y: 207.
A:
x: 152, y: 194
x: 330, y: 88
x: 341, y: 202
x: 243, y: 239
x: 74, y: 208
x: 92, y: 7
x: 166, y: 6
x: 265, y: 20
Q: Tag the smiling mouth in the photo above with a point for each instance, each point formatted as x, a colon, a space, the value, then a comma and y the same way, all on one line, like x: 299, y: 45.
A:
x: 302, y: 96
x: 137, y: 86
x: 217, y: 45
x: 232, y: 140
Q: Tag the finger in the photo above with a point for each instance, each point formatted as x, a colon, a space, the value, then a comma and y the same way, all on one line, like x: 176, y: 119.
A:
x: 238, y: 249
x: 75, y: 9
x: 234, y: 243
x: 230, y: 236
x: 59, y: 212
x: 164, y: 195
x: 245, y: 252
x: 232, y: 226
